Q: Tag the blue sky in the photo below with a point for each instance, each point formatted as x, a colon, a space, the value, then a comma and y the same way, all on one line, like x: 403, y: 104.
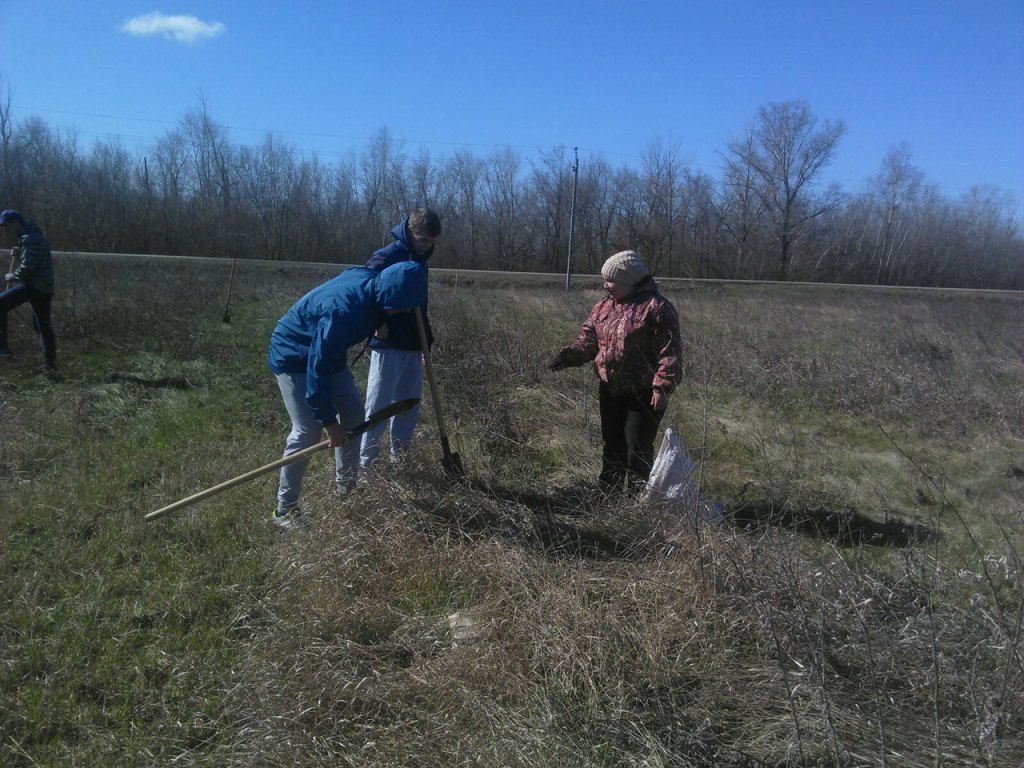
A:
x: 608, y: 77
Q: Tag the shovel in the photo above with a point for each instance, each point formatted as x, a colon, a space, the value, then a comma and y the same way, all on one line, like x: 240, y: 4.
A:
x: 451, y: 462
x: 227, y: 305
x: 375, y: 418
x: 15, y: 260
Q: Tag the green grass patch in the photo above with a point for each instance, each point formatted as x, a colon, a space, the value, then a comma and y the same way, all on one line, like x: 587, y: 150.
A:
x: 516, y: 618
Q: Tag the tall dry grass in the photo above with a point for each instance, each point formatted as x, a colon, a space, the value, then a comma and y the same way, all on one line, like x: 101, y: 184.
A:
x: 519, y: 618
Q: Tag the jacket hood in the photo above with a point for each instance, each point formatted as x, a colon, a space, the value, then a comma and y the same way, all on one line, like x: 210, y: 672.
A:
x: 401, y: 235
x: 401, y: 231
x: 401, y: 286
x: 29, y: 227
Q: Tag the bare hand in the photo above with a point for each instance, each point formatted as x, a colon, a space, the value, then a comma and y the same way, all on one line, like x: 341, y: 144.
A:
x: 336, y: 435
x: 659, y: 400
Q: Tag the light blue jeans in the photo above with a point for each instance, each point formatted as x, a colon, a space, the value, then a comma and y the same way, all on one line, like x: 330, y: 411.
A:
x: 307, y: 430
x: 395, y: 374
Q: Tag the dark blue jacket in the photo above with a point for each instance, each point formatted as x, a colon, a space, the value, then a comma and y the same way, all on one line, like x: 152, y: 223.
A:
x: 315, y: 334
x: 402, y: 333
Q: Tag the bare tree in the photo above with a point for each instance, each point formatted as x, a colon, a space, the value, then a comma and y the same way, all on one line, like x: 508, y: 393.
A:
x: 893, y: 189
x: 702, y: 222
x: 551, y: 187
x: 196, y: 192
x: 107, y: 208
x: 211, y: 164
x: 464, y: 229
x: 502, y: 202
x: 345, y: 210
x: 783, y: 151
x: 742, y: 212
x: 382, y: 181
x: 48, y: 163
x: 991, y: 252
x: 309, y: 225
x: 426, y: 185
x: 597, y: 215
x: 170, y: 160
x: 662, y: 173
x: 267, y: 177
x: 631, y: 211
x: 6, y: 138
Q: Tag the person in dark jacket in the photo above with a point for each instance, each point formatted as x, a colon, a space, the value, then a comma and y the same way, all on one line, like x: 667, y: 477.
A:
x: 31, y: 280
x: 396, y: 357
x: 632, y: 335
x: 308, y: 356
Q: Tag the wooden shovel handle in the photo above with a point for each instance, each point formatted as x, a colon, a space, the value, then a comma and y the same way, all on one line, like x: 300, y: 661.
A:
x: 375, y: 418
x: 290, y: 458
x: 15, y: 260
x: 435, y: 396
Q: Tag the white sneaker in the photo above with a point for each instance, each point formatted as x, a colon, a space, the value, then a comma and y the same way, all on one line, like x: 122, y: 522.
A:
x: 289, y: 519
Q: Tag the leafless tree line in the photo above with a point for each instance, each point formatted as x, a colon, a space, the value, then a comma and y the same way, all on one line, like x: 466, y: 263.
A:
x: 768, y: 216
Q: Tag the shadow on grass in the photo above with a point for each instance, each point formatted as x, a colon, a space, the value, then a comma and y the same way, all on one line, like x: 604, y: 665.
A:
x: 845, y: 527
x: 157, y: 382
x: 597, y: 528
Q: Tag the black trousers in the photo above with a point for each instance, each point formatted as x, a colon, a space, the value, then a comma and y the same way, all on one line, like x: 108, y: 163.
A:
x: 40, y: 302
x: 628, y: 428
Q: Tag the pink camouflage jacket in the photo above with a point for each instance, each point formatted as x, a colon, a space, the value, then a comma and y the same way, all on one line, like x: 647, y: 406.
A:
x: 634, y: 343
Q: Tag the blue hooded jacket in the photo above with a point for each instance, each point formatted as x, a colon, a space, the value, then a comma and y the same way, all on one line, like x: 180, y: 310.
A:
x: 314, y: 335
x: 402, y: 332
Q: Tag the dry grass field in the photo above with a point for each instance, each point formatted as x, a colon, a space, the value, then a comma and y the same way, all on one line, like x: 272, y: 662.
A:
x: 860, y: 606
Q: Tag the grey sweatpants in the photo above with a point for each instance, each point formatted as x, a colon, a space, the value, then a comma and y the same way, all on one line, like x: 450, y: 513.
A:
x: 307, y: 431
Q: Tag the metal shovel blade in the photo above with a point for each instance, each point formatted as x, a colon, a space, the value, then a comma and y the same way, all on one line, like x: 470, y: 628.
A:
x: 451, y: 462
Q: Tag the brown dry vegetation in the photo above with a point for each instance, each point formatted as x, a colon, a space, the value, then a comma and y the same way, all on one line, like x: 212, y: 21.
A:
x: 861, y: 607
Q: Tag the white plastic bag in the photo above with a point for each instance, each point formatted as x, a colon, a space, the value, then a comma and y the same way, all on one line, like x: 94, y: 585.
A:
x: 671, y: 482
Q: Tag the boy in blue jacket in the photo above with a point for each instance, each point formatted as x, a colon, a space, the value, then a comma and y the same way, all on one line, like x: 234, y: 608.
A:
x: 396, y: 367
x: 308, y: 355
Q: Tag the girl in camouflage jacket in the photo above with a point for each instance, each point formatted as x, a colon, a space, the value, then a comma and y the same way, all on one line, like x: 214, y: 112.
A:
x: 632, y: 336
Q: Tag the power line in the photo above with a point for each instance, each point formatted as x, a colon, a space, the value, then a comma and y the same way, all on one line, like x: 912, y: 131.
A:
x: 278, y: 132
x: 307, y: 152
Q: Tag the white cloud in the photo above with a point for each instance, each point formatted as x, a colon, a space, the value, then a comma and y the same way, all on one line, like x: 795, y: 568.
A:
x: 184, y: 29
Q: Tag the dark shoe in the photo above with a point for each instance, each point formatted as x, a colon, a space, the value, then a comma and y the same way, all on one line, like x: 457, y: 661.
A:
x: 635, y: 486
x: 346, y: 488
x: 611, y: 486
x: 47, y: 368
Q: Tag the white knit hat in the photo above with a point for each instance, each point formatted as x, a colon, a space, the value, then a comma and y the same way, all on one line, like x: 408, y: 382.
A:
x: 625, y: 268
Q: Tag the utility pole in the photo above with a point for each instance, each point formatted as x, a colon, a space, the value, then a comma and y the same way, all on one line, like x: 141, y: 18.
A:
x: 572, y: 215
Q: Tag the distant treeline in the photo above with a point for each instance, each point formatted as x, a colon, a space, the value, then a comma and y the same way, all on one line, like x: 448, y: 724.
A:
x: 768, y: 216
